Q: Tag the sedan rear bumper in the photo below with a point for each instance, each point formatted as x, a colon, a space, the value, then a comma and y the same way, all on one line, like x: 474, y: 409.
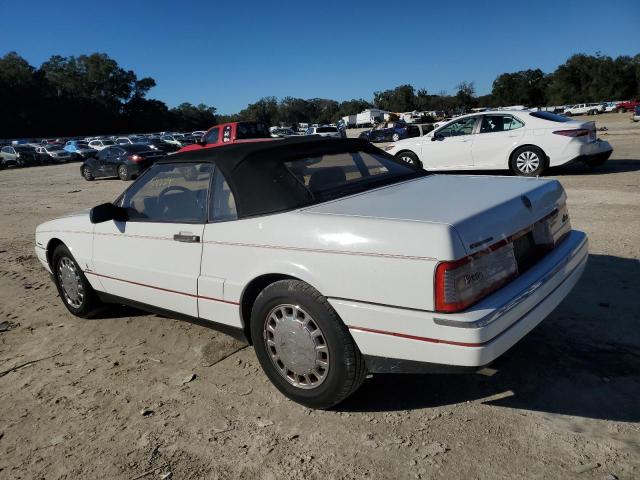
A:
x: 587, y: 152
x: 472, y: 338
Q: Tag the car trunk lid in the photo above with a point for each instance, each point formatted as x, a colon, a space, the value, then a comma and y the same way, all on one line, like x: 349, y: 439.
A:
x: 483, y: 210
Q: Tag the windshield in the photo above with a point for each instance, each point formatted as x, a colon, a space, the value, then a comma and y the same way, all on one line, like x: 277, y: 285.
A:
x: 264, y: 184
x: 550, y: 116
x: 108, y: 142
x: 24, y: 149
x: 53, y: 148
x: 326, y: 129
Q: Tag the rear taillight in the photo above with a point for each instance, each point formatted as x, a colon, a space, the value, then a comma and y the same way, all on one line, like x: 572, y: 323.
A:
x: 580, y: 132
x: 461, y: 283
x: 135, y: 158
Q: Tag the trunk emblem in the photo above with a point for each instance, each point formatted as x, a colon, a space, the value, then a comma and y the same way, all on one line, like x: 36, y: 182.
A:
x: 526, y: 201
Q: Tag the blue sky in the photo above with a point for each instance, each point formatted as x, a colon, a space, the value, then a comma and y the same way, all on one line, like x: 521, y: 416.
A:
x: 231, y: 53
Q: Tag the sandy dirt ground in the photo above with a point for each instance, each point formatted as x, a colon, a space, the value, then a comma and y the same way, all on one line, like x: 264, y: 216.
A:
x: 117, y: 398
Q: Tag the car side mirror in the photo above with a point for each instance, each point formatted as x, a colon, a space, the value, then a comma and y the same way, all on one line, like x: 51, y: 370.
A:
x: 107, y: 211
x: 437, y: 136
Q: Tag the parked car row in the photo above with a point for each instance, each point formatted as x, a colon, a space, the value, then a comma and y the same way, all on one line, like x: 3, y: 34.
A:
x: 29, y: 155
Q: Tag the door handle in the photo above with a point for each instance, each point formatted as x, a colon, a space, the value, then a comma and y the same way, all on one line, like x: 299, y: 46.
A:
x: 186, y: 237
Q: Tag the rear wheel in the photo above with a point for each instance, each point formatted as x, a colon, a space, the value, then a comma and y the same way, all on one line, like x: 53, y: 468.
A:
x: 395, y: 137
x: 528, y: 161
x: 410, y: 158
x: 303, y: 346
x: 123, y: 173
x: 74, y: 289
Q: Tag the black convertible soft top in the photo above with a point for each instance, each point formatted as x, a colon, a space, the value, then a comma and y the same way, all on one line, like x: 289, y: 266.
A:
x: 257, y: 175
x: 229, y: 156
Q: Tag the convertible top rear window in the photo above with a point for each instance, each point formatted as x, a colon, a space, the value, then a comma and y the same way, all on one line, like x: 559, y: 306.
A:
x: 272, y: 184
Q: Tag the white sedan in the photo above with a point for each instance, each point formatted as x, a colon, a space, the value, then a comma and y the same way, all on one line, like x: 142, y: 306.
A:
x: 331, y: 257
x: 524, y: 142
x: 101, y: 144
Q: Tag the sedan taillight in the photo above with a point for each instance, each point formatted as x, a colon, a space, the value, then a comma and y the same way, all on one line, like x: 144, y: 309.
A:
x: 461, y: 283
x: 580, y: 132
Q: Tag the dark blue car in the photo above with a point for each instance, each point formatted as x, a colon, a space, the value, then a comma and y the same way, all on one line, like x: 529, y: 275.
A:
x: 391, y: 132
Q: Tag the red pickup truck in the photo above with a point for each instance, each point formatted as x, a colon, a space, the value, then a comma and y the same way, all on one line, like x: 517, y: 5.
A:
x: 234, y: 132
x: 627, y: 106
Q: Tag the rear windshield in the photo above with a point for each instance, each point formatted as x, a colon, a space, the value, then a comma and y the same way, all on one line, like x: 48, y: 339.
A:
x: 326, y: 129
x: 135, y: 147
x: 25, y: 149
x: 108, y: 142
x: 252, y: 130
x: 550, y: 116
x: 264, y: 185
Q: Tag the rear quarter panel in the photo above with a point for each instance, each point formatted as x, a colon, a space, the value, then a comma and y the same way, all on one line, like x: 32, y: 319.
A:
x: 342, y: 257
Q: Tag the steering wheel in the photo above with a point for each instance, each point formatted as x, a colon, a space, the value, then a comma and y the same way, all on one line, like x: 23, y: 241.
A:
x: 177, y: 188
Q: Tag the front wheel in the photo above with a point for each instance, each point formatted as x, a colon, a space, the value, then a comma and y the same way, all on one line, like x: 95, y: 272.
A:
x: 303, y: 346
x: 395, y: 137
x: 86, y: 173
x: 74, y: 288
x: 410, y: 158
x: 528, y: 162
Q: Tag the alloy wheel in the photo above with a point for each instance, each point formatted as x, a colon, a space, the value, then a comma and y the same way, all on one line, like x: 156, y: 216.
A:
x: 528, y: 162
x: 296, y: 346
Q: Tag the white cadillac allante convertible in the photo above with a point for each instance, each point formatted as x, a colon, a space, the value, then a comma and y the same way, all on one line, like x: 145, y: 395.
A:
x: 331, y: 257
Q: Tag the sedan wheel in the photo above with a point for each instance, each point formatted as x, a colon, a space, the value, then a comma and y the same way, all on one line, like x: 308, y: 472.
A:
x: 123, y: 173
x: 528, y: 162
x: 395, y: 137
x: 86, y: 173
x: 410, y: 158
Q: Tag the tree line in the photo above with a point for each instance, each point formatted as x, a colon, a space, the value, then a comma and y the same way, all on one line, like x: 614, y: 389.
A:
x: 92, y: 94
x: 88, y: 94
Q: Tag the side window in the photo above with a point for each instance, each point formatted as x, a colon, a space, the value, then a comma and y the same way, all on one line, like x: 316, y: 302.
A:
x: 212, y: 136
x: 511, y: 123
x: 103, y: 154
x: 5, y: 150
x: 223, y: 203
x: 493, y: 124
x: 173, y: 193
x: 461, y: 127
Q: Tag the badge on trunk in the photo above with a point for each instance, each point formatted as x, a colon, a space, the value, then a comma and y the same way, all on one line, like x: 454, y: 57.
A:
x: 526, y: 201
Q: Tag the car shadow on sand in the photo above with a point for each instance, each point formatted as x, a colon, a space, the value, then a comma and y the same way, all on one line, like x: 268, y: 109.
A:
x: 583, y: 360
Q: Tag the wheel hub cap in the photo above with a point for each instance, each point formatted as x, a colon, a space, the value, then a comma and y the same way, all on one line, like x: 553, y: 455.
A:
x: 296, y: 346
x: 527, y: 162
x: 70, y: 282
